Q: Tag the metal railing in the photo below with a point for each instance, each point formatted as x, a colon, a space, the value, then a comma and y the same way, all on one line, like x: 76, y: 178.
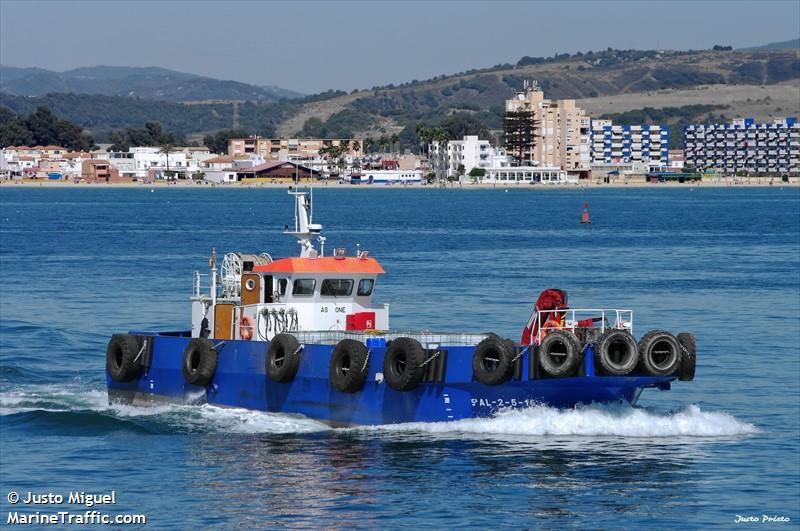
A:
x: 201, y: 285
x: 570, y: 318
x: 426, y: 338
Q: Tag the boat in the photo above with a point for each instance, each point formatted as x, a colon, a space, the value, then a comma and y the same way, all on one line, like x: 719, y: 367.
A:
x: 389, y: 177
x: 303, y: 335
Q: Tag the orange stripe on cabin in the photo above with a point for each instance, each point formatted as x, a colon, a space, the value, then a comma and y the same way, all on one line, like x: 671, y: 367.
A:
x: 329, y: 264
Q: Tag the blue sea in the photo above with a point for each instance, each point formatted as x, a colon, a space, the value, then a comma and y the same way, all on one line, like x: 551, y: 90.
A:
x: 80, y: 264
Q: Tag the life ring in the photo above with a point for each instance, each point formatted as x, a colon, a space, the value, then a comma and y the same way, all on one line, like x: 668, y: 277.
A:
x: 246, y: 328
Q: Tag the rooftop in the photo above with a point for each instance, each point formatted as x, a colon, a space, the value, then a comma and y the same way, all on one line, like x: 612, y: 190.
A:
x: 329, y: 264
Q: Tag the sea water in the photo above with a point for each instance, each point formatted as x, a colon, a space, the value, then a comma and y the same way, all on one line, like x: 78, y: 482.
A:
x: 80, y: 264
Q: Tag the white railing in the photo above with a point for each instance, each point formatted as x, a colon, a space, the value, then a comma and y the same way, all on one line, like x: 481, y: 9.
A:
x: 201, y: 283
x: 569, y: 319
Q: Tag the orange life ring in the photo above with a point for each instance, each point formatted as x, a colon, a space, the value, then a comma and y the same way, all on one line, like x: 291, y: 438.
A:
x: 246, y: 328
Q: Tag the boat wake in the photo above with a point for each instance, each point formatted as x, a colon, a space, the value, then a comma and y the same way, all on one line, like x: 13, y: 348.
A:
x: 64, y: 408
x: 596, y: 420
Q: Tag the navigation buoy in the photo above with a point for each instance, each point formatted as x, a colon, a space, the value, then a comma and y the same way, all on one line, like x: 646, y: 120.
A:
x: 585, y: 216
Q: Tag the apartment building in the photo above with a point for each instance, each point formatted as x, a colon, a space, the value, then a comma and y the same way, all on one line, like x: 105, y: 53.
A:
x: 560, y: 131
x: 744, y: 146
x: 648, y: 144
x: 152, y: 162
x: 470, y: 152
x: 289, y: 148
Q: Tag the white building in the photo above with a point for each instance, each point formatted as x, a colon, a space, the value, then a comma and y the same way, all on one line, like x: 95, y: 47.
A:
x: 528, y: 175
x: 471, y: 152
x: 150, y: 162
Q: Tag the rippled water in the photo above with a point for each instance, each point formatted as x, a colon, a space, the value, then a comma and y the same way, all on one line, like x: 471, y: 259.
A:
x: 78, y: 265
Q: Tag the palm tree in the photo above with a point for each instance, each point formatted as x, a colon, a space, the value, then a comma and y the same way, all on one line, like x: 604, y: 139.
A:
x: 166, y: 149
x: 383, y: 142
x: 395, y: 141
x: 369, y: 143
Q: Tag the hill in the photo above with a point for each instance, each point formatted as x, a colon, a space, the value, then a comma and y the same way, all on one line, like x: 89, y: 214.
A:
x: 794, y: 43
x: 147, y: 82
x: 665, y: 86
x: 632, y: 74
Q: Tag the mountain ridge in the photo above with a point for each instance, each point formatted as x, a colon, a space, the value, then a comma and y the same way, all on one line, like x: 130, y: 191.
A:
x: 145, y: 82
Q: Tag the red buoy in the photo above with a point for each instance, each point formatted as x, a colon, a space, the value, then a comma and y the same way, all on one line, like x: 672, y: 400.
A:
x: 585, y: 216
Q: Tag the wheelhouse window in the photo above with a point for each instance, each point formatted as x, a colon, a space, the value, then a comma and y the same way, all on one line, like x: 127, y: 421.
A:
x: 365, y: 286
x: 304, y: 286
x: 336, y: 287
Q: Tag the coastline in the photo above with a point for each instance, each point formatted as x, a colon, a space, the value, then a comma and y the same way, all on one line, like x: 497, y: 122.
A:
x: 754, y: 182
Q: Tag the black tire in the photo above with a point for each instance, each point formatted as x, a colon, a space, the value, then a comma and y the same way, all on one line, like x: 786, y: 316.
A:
x: 120, y: 355
x: 283, y: 358
x: 349, y: 365
x: 659, y: 353
x: 199, y: 361
x: 560, y: 354
x: 616, y: 353
x: 402, y: 364
x: 491, y: 361
x: 688, y: 356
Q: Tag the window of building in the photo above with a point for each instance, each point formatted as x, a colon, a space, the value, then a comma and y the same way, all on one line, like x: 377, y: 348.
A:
x: 336, y: 287
x: 365, y: 286
x: 304, y: 286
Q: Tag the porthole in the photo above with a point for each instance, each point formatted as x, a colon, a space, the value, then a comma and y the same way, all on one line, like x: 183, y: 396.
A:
x: 250, y: 284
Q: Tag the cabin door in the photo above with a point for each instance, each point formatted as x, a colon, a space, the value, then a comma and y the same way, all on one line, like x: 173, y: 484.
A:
x: 223, y: 321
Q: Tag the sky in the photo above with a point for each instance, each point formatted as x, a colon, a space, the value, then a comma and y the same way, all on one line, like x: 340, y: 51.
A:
x: 312, y: 46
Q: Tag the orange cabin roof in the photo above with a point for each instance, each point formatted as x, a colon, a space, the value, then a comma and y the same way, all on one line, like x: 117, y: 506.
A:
x: 329, y: 264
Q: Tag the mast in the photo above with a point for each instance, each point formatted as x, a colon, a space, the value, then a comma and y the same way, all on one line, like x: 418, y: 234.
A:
x: 304, y: 228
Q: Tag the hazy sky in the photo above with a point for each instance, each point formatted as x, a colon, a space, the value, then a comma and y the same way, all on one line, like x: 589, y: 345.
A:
x: 314, y: 46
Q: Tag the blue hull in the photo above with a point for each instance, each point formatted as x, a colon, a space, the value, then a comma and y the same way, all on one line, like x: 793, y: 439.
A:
x: 241, y: 381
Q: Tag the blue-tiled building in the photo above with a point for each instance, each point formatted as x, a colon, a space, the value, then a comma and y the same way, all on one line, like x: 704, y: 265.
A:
x: 613, y: 144
x: 744, y: 146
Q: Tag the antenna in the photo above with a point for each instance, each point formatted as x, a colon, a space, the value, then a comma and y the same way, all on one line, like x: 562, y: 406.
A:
x: 304, y: 229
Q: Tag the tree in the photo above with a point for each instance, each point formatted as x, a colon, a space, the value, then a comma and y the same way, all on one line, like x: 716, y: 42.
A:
x: 394, y: 140
x: 477, y: 173
x: 460, y: 125
x: 42, y: 127
x: 383, y: 142
x: 218, y: 142
x: 518, y: 128
x: 166, y: 149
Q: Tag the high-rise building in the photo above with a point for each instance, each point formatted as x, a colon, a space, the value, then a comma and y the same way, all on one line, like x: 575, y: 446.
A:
x: 559, y: 131
x: 624, y: 144
x: 744, y: 146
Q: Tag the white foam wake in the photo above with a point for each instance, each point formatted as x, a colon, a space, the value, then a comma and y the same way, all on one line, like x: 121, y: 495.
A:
x: 614, y: 420
x: 180, y: 418
x: 620, y: 420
